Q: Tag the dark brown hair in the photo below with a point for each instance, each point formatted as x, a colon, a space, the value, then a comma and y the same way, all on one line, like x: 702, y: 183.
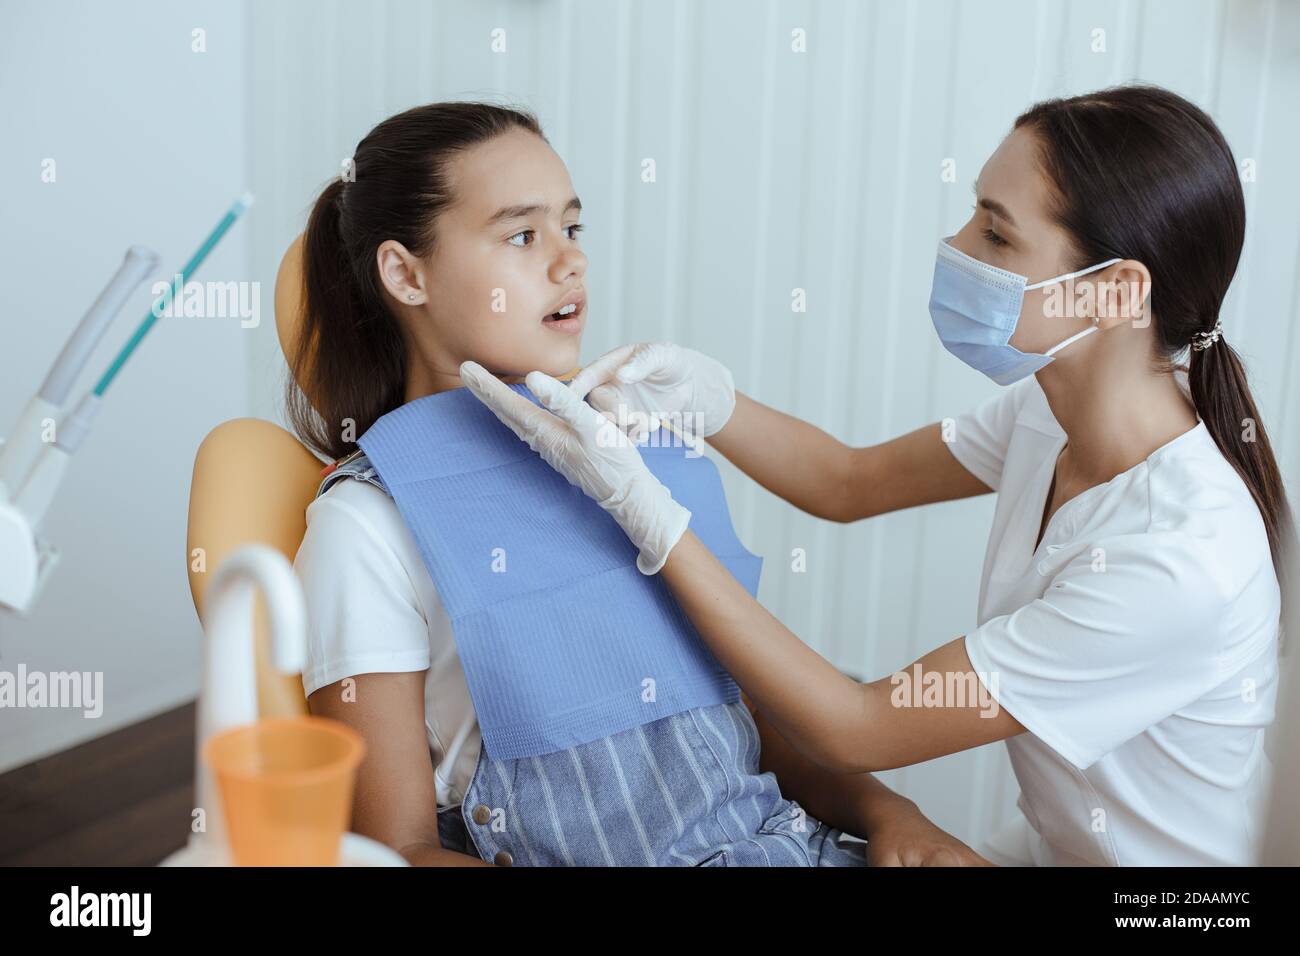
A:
x: 1141, y: 173
x: 350, y: 356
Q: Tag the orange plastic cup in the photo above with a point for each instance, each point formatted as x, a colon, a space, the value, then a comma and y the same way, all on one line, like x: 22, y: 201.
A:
x: 286, y: 788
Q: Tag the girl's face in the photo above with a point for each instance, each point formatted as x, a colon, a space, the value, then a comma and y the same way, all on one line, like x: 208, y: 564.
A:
x: 1011, y: 228
x: 505, y: 258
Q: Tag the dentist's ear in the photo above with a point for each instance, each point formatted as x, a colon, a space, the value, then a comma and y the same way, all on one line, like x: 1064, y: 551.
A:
x: 1122, y: 299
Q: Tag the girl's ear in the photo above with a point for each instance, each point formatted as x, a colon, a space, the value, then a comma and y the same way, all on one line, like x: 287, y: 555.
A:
x: 400, y: 273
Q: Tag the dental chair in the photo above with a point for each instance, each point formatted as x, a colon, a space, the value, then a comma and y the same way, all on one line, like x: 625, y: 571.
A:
x: 252, y: 483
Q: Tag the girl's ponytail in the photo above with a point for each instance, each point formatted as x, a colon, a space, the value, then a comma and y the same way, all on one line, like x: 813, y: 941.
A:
x: 345, y: 328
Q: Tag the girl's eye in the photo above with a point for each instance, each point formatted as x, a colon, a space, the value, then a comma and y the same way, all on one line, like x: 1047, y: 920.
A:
x: 576, y: 228
x: 994, y: 238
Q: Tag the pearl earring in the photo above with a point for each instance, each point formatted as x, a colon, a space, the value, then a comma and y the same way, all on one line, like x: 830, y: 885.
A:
x: 411, y: 296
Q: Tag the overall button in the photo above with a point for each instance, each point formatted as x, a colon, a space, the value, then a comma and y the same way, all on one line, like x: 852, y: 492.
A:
x: 503, y: 858
x: 481, y: 814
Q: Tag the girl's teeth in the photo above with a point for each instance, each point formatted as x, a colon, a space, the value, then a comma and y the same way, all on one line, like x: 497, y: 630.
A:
x: 568, y: 309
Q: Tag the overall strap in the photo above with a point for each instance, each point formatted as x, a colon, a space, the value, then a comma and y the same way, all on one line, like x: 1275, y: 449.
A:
x: 356, y: 465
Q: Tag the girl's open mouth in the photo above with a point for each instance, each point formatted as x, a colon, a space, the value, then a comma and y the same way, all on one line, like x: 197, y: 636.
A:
x: 568, y: 318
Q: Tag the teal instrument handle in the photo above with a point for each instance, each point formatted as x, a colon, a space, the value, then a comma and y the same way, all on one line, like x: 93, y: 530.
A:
x: 228, y: 220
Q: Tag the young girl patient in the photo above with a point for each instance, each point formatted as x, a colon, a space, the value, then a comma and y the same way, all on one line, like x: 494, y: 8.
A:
x: 458, y: 239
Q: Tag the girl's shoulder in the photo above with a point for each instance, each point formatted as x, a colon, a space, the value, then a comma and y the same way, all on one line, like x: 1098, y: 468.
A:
x: 371, y: 604
x: 356, y: 534
x: 350, y: 509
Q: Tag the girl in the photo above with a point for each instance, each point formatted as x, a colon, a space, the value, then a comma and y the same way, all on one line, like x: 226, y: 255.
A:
x: 458, y: 239
x: 1127, y: 636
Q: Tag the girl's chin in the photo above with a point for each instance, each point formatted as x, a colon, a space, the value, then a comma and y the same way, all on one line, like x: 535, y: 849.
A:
x: 561, y: 356
x: 557, y: 363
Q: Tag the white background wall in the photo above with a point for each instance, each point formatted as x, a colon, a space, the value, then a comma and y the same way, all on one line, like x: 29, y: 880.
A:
x: 150, y: 145
x: 776, y: 170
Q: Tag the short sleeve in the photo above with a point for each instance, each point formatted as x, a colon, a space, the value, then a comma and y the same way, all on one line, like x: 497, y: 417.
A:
x: 979, y: 438
x: 363, y: 615
x: 1126, y: 634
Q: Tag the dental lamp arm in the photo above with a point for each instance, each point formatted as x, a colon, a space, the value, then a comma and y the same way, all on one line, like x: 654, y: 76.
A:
x: 18, y: 455
x: 31, y: 465
x: 31, y: 469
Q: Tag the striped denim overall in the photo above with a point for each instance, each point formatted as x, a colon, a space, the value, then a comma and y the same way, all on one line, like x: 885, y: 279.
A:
x: 681, y: 791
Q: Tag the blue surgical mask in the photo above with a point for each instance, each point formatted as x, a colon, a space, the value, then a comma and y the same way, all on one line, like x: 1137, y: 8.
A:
x: 975, y: 308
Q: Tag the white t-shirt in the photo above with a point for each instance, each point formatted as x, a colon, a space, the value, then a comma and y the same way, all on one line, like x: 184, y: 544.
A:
x: 372, y: 608
x: 1137, y: 645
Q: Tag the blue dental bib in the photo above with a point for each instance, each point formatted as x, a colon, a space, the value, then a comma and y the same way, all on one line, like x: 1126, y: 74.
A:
x: 562, y: 640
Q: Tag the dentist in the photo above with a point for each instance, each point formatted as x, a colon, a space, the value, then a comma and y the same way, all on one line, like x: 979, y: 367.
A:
x: 1128, y: 622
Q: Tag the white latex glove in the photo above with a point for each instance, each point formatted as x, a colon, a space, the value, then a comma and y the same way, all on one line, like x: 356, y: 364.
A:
x: 659, y: 383
x: 593, y: 454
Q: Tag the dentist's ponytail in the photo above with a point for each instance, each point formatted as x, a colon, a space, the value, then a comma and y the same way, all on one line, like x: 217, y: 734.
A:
x: 1221, y: 394
x: 349, y: 363
x: 1141, y: 173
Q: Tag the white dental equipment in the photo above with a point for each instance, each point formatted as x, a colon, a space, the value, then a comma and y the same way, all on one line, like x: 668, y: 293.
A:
x: 32, y: 466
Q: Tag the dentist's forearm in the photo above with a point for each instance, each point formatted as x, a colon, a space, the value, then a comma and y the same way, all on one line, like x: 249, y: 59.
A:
x: 787, y: 456
x: 856, y: 803
x: 821, y: 712
x: 833, y: 720
x: 821, y: 475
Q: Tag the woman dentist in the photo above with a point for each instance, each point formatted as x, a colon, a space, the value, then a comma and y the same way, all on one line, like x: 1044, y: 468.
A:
x: 1128, y: 626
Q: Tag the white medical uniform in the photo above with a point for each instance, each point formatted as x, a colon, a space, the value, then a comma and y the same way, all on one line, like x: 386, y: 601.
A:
x: 1137, y: 644
x: 372, y: 608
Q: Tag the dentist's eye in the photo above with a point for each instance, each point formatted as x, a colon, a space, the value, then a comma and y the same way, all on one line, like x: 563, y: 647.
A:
x: 526, y: 232
x: 576, y: 228
x: 994, y: 238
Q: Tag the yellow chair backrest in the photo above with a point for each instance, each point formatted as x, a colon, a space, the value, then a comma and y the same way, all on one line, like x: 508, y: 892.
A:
x: 252, y: 482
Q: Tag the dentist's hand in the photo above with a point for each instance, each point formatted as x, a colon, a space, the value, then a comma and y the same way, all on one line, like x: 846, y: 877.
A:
x: 906, y: 837
x: 660, y: 380
x: 592, y: 453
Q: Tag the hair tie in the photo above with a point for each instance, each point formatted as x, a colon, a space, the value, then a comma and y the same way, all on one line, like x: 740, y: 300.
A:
x: 1203, y: 340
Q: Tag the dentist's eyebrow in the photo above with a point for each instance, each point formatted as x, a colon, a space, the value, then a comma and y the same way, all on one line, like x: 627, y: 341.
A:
x: 524, y: 211
x: 993, y: 206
